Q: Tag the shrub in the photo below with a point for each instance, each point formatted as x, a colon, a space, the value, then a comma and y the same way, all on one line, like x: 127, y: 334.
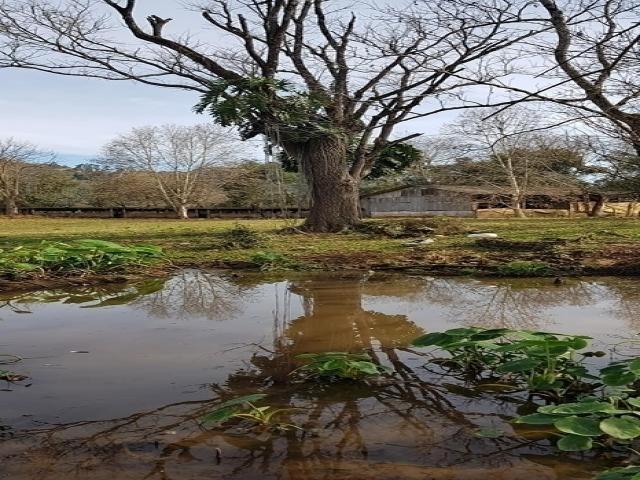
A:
x: 523, y: 268
x: 271, y: 260
x: 414, y: 227
x: 240, y: 236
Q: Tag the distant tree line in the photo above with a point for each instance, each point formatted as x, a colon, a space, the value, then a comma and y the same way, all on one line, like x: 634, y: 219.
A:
x: 201, y: 166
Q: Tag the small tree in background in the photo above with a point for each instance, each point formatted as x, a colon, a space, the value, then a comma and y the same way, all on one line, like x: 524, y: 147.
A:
x: 178, y: 159
x: 508, y: 149
x: 17, y: 162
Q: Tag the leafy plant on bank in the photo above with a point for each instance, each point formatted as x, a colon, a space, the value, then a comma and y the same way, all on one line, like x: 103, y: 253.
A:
x: 523, y: 268
x: 544, y: 362
x: 339, y: 365
x: 77, y: 256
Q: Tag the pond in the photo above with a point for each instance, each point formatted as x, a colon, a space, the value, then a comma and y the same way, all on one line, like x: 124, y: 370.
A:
x: 120, y: 376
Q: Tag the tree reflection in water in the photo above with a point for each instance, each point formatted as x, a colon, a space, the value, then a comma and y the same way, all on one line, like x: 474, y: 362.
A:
x: 190, y: 293
x: 510, y: 303
x: 411, y: 425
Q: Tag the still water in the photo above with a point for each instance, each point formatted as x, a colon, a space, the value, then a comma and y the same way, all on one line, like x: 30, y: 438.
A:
x: 120, y: 376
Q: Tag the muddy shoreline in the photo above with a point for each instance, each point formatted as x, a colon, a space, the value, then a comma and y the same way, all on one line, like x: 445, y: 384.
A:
x: 472, y: 268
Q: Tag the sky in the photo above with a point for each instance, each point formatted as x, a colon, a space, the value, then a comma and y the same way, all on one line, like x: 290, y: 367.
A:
x: 75, y: 117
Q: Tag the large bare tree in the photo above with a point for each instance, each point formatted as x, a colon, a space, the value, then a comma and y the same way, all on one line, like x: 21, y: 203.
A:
x: 327, y: 81
x: 586, y: 58
x: 18, y: 161
x: 179, y: 158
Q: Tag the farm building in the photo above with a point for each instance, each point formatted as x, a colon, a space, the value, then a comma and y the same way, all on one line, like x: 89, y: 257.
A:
x: 472, y: 201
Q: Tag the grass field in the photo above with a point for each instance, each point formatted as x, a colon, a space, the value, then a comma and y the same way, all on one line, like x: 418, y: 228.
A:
x: 607, y: 242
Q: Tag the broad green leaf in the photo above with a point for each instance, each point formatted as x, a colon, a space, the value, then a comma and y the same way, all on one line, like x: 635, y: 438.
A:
x: 634, y: 366
x: 367, y: 367
x: 578, y: 343
x: 432, y: 339
x: 575, y: 443
x: 618, y: 378
x: 633, y: 401
x: 615, y: 367
x: 585, y: 427
x: 227, y: 409
x: 462, y: 332
x: 220, y: 415
x: 620, y: 473
x: 489, y: 334
x: 623, y: 428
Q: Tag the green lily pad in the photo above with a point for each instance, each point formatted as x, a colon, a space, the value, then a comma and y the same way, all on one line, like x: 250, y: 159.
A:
x: 586, y: 427
x: 623, y: 428
x: 618, y: 378
x: 574, y: 443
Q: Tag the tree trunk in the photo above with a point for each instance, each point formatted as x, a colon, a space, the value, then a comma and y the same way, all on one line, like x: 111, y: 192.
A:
x: 335, y: 196
x: 631, y: 207
x: 596, y: 211
x: 182, y: 212
x: 10, y: 207
x: 517, y: 207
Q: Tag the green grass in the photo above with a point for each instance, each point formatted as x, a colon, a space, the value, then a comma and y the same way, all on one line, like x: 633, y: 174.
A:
x: 198, y: 241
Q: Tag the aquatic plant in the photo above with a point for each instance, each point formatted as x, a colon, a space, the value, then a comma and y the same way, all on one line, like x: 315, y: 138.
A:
x: 341, y: 365
x: 8, y: 375
x: 240, y: 236
x: 228, y: 409
x: 523, y: 268
x: 621, y: 373
x: 631, y: 472
x: 544, y: 362
x: 265, y: 417
x: 79, y: 255
x: 590, y: 421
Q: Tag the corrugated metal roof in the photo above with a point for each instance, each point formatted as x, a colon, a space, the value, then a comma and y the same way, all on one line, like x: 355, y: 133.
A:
x: 476, y: 190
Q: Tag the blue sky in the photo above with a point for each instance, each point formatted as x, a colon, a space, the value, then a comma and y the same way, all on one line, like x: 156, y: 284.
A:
x: 75, y: 116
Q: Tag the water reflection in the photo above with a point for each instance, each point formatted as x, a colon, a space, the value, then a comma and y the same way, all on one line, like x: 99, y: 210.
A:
x: 413, y: 425
x: 513, y: 303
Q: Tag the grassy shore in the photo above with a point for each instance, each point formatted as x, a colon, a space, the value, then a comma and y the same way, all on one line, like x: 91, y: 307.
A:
x: 528, y: 246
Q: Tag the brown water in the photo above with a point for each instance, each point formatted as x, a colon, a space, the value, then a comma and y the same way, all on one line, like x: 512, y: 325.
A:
x: 164, y: 352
